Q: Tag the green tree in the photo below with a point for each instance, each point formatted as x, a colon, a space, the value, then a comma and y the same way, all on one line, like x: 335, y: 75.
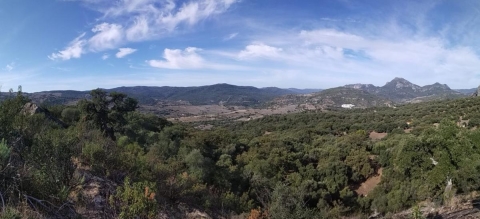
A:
x: 107, y: 111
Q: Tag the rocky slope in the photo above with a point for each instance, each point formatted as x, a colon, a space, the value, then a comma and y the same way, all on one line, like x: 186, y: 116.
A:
x: 401, y: 91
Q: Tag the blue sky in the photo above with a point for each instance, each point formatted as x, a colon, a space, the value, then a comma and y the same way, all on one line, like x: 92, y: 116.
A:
x: 85, y: 44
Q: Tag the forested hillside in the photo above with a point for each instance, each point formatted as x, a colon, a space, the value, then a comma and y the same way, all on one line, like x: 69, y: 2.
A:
x: 202, y: 95
x: 102, y: 159
x: 333, y: 97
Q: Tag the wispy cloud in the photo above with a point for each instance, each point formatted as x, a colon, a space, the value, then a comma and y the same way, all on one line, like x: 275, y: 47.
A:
x: 74, y: 49
x: 192, y: 58
x: 105, y: 56
x: 411, y: 40
x: 344, y: 56
x: 139, y: 20
x: 230, y: 36
x: 10, y: 66
x: 259, y: 50
x: 62, y: 69
x: 122, y: 52
x: 107, y: 36
x: 179, y: 59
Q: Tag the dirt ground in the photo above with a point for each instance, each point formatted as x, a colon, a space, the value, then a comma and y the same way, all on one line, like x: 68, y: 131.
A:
x: 190, y: 113
x: 367, y: 186
x: 377, y: 136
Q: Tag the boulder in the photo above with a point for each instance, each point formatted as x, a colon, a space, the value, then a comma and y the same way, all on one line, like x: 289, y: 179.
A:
x: 31, y: 109
x: 477, y: 92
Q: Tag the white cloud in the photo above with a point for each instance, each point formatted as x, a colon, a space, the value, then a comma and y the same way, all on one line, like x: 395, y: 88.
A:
x: 194, y: 11
x: 139, y: 30
x: 107, y: 36
x: 178, y: 59
x: 105, y: 56
x: 10, y: 66
x: 73, y: 50
x: 193, y: 58
x: 122, y: 52
x: 139, y: 20
x: 343, y: 56
x: 230, y: 36
x: 259, y: 50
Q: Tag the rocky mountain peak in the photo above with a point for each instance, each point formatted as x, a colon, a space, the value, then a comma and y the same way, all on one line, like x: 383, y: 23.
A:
x: 442, y: 86
x: 359, y: 86
x: 400, y: 83
x: 477, y: 92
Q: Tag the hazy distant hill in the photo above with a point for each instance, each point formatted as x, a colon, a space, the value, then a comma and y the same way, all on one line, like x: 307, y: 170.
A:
x: 466, y: 91
x: 212, y: 94
x: 304, y: 91
x: 400, y: 90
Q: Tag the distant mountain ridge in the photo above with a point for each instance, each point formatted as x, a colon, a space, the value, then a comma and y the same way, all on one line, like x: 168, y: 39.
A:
x: 202, y: 95
x: 398, y: 90
x: 466, y: 91
x: 401, y: 91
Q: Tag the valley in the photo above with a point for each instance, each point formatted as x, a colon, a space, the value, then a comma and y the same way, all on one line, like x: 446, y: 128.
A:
x: 244, y: 103
x: 343, y: 152
x: 233, y: 109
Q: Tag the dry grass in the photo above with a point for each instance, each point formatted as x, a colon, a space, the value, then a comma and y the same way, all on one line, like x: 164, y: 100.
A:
x: 367, y: 186
x: 377, y: 136
x: 189, y: 113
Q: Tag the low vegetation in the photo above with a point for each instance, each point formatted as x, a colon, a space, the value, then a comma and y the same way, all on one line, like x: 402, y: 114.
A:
x: 304, y: 165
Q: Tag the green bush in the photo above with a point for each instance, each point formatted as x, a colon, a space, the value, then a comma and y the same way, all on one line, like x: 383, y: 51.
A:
x: 10, y: 213
x: 70, y: 115
x: 136, y: 200
x: 4, y: 152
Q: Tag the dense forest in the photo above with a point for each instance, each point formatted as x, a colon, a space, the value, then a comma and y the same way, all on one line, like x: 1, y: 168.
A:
x: 304, y: 165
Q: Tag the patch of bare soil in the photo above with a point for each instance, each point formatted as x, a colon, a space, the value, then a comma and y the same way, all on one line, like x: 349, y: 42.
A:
x: 408, y: 130
x: 377, y: 136
x: 190, y: 113
x: 367, y: 186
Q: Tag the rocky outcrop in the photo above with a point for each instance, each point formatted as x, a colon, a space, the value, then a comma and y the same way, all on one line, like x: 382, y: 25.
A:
x: 477, y: 92
x: 402, y: 91
x: 466, y: 206
x: 91, y: 196
x: 30, y: 109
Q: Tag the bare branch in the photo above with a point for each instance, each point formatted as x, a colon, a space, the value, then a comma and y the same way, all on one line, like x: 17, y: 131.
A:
x: 3, y: 201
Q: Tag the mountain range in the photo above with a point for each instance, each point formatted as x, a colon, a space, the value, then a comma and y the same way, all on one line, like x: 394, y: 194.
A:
x: 400, y: 90
x: 396, y: 91
x: 203, y: 95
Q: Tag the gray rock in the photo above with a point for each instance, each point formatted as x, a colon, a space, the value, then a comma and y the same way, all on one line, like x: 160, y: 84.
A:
x: 31, y: 109
x: 477, y: 92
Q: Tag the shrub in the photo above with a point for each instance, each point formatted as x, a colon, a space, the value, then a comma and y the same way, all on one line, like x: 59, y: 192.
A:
x: 136, y: 200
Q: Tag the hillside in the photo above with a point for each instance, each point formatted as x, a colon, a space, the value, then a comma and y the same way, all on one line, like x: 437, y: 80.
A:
x: 333, y: 97
x: 467, y: 91
x: 400, y: 90
x: 225, y: 94
x: 100, y: 158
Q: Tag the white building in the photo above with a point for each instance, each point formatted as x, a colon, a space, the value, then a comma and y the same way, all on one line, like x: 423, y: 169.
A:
x: 347, y: 106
